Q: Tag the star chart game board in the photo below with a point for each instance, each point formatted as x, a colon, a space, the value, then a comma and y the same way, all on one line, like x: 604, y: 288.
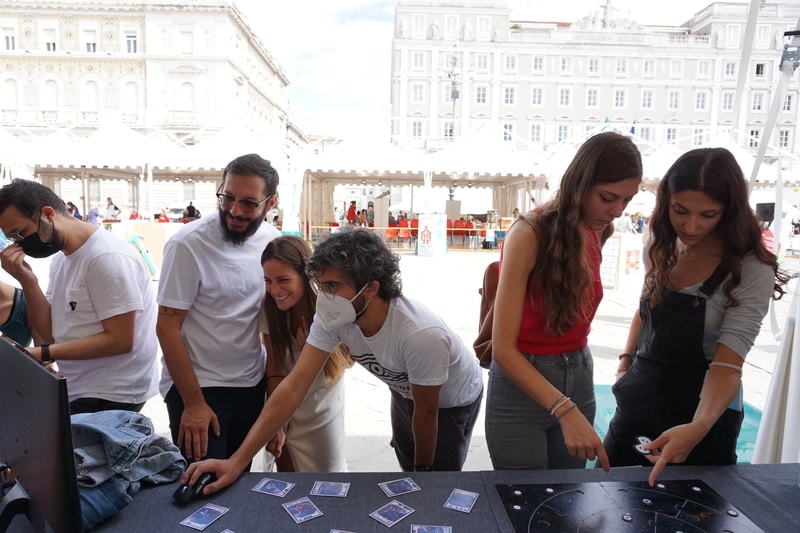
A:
x: 669, y: 506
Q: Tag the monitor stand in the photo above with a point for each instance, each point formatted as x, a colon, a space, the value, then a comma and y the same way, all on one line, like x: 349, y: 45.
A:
x: 14, y: 502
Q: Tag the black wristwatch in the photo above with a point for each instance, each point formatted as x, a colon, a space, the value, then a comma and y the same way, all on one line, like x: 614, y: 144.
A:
x: 423, y: 468
x: 45, y: 351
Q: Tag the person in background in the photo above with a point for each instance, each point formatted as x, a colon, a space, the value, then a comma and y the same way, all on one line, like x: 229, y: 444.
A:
x: 313, y: 440
x: 190, y: 212
x: 392, y: 220
x: 112, y: 211
x: 434, y: 379
x: 363, y: 222
x: 708, y: 282
x: 540, y: 404
x: 14, y: 322
x: 73, y: 210
x: 162, y: 217
x: 93, y: 216
x: 352, y: 215
x: 209, y: 296
x: 96, y: 319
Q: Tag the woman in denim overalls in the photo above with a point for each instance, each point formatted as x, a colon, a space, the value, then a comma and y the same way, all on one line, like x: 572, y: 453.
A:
x: 707, y: 288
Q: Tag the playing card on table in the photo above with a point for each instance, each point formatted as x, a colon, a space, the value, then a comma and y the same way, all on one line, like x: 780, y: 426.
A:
x: 273, y: 487
x: 399, y: 486
x: 203, y: 517
x: 415, y: 528
x: 330, y: 488
x: 461, y: 500
x: 302, y: 510
x: 391, y: 513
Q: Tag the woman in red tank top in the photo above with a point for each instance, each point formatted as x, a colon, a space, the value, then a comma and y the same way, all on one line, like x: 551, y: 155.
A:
x: 540, y: 400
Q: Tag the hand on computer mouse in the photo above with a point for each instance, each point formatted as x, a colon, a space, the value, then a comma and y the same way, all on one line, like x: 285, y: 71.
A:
x: 186, y: 493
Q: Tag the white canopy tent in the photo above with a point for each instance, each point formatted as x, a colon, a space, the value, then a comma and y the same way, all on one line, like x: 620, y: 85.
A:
x: 477, y: 160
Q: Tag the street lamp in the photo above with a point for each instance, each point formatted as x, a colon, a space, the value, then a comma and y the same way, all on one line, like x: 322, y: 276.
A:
x: 454, y: 73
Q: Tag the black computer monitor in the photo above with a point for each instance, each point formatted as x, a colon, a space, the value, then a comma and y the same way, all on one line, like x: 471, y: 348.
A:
x: 36, y: 444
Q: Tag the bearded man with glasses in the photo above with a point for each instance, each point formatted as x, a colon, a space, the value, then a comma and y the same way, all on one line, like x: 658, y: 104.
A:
x: 96, y: 318
x: 209, y: 296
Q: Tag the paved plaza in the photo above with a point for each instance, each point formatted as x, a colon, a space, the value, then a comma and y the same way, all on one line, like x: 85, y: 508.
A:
x: 449, y: 285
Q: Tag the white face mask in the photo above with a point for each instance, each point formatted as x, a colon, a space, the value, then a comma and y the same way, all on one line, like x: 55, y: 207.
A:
x: 337, y: 310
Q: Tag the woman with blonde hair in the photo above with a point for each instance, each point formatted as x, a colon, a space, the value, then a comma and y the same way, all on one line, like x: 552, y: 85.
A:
x: 313, y: 440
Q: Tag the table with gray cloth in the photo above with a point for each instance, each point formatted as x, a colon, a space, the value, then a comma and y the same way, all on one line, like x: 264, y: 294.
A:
x: 767, y: 494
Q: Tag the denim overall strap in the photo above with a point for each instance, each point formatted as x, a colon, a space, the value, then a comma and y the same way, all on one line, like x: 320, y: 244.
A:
x: 662, y: 388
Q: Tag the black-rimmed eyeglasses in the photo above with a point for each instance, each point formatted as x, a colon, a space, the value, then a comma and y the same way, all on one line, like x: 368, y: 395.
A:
x: 247, y: 206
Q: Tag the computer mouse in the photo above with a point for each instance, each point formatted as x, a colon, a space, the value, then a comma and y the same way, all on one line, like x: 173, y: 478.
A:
x: 186, y: 493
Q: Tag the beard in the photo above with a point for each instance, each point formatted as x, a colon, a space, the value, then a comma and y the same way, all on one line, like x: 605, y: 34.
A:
x: 239, y: 237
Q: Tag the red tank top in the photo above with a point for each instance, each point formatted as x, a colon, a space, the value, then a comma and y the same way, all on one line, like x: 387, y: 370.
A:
x: 532, y: 338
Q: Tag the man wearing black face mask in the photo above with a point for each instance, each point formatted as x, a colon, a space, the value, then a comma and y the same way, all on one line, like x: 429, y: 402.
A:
x: 98, y: 314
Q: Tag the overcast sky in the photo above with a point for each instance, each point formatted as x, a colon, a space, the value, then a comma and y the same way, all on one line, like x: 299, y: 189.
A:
x: 336, y: 53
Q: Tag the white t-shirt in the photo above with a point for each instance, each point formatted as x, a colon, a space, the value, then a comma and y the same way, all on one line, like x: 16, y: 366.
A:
x: 103, y: 278
x: 221, y: 285
x: 414, y: 345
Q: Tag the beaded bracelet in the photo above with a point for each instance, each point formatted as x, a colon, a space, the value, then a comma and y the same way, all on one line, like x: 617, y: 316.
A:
x: 561, y: 402
x: 726, y: 365
x: 555, y: 403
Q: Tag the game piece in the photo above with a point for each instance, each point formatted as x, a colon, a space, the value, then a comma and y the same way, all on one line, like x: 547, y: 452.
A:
x: 639, y: 446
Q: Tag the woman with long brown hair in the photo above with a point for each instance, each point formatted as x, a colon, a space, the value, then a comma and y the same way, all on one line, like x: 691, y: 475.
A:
x: 313, y: 440
x: 540, y: 400
x: 708, y: 283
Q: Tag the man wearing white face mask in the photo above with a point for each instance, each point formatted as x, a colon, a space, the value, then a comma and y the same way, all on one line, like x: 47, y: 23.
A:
x: 434, y: 378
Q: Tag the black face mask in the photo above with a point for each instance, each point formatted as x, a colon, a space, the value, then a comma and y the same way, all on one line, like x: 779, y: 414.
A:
x: 33, y: 246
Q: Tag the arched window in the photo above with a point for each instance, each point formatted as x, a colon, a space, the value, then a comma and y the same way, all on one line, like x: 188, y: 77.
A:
x: 130, y: 98
x: 90, y: 96
x: 185, y: 97
x: 9, y: 95
x: 49, y: 96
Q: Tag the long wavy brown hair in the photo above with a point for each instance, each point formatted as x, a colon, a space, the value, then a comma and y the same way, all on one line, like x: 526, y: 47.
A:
x: 715, y: 172
x: 562, y: 272
x: 296, y: 252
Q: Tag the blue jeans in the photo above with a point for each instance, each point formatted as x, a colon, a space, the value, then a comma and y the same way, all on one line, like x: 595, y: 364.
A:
x: 520, y: 433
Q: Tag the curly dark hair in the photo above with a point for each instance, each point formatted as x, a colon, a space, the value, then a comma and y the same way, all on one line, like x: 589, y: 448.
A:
x: 28, y: 197
x: 362, y: 256
x: 562, y: 271
x: 715, y: 172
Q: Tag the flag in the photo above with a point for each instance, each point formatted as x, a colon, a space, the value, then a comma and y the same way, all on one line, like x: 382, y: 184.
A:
x: 633, y: 127
x: 605, y: 125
